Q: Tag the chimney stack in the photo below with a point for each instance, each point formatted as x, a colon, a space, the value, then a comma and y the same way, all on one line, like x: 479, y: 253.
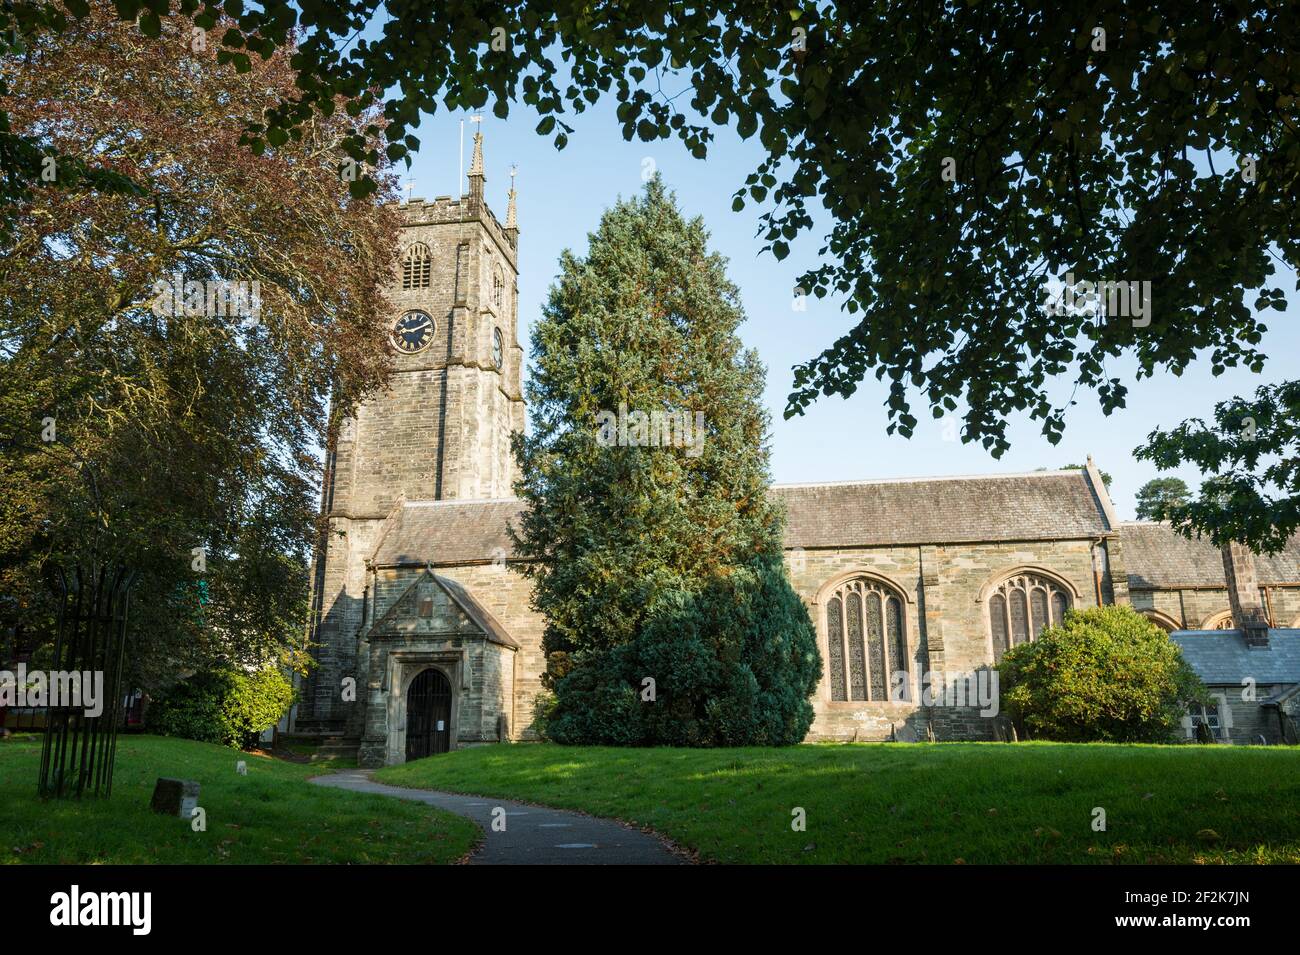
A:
x: 1243, y: 593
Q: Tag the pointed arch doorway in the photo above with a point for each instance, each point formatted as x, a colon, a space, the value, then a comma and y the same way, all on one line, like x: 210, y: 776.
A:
x: 428, y: 715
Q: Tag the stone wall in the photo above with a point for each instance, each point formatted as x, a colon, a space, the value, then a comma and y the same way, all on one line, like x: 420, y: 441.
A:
x: 505, y: 593
x: 420, y: 627
x: 1246, y: 722
x: 342, y: 589
x: 945, y: 621
x: 440, y: 429
x: 1191, y: 608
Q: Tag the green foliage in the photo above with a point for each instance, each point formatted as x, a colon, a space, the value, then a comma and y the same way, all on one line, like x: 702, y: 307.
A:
x: 543, y: 707
x: 654, y: 560
x: 1191, y: 187
x: 1107, y: 674
x: 1251, y: 458
x: 1158, y: 494
x: 732, y: 665
x: 225, y: 706
x: 945, y: 276
x: 164, y: 429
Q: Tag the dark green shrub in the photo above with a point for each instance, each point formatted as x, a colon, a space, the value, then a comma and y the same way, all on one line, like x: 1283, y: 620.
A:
x: 1107, y: 674
x: 225, y: 706
x: 732, y: 666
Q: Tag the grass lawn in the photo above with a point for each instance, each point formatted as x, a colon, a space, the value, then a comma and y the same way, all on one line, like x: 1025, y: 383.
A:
x: 873, y: 803
x: 320, y: 763
x: 271, y: 815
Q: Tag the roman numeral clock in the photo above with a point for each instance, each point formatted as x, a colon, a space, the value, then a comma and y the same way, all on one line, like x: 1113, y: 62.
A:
x: 413, y: 332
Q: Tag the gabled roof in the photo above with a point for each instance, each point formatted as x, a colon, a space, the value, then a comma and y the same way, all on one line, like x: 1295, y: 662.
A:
x: 406, y: 607
x: 1221, y: 657
x: 1156, y: 556
x: 1043, y: 505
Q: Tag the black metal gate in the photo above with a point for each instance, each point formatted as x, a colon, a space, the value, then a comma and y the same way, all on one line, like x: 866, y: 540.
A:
x: 78, y: 751
x: 428, y: 715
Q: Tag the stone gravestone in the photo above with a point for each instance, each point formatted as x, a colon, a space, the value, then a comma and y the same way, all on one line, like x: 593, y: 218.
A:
x: 175, y: 797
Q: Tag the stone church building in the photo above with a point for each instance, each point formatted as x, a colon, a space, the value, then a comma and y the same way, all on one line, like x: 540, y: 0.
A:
x: 424, y: 637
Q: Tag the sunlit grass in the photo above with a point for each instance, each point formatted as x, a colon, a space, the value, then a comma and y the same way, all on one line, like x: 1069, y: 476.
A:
x: 270, y: 815
x: 913, y: 803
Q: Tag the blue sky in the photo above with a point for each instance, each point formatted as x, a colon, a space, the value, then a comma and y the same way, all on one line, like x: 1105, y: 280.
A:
x: 563, y: 193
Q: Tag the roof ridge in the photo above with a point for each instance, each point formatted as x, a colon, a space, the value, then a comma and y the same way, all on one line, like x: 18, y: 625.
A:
x: 1069, y: 472
x: 464, y: 500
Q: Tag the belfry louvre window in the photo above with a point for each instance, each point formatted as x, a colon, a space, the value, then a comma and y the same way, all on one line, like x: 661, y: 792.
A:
x: 865, y: 641
x: 1022, y: 607
x: 416, y: 267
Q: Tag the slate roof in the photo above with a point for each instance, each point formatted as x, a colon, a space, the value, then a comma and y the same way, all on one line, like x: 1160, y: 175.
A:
x: 1221, y: 657
x: 447, y: 532
x: 1044, y: 505
x: 480, y: 616
x: 1157, y: 557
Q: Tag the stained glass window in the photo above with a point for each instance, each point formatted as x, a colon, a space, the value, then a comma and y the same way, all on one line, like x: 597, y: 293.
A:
x: 1060, y: 604
x: 1022, y: 607
x: 857, y: 661
x: 835, y: 647
x: 998, y: 621
x: 876, y: 648
x: 897, y: 644
x: 866, y: 636
x: 1038, y: 609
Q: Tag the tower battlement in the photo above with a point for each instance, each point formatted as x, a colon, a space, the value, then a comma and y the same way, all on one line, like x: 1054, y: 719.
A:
x: 445, y: 210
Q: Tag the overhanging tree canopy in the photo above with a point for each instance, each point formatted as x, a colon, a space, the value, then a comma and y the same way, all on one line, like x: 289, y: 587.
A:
x: 965, y: 150
x: 202, y: 412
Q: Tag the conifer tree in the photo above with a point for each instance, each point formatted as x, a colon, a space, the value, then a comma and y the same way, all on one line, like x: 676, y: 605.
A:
x: 656, y: 550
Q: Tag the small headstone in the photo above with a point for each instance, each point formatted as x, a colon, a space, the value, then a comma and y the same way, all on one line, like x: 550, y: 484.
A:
x: 175, y: 797
x: 241, y: 767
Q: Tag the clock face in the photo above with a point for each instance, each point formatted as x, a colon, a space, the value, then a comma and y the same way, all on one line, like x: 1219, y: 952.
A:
x: 498, y: 348
x: 412, y: 332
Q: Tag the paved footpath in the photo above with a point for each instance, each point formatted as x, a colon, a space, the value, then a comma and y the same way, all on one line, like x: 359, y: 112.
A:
x: 534, y: 835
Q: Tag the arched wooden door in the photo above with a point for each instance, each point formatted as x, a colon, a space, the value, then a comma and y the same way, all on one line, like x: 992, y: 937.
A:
x: 428, y: 715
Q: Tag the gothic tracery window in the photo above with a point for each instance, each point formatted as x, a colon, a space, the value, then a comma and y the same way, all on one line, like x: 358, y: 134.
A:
x: 866, y: 642
x: 1022, y: 607
x: 498, y: 288
x: 416, y: 267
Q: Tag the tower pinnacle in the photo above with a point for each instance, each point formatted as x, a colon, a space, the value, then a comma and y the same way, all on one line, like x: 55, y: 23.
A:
x: 511, y: 220
x: 476, y: 161
x: 476, y: 176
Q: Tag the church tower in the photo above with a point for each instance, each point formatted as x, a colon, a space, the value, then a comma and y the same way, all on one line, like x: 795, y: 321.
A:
x: 441, y: 428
